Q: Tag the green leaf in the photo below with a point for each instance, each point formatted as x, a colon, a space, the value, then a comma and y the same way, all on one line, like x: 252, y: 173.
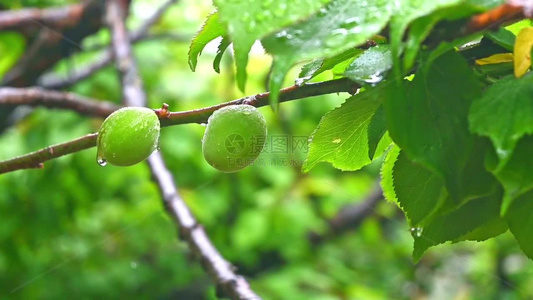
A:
x: 421, y: 27
x: 457, y: 223
x: 250, y: 20
x: 428, y: 117
x: 419, y: 191
x: 211, y: 29
x: 341, y: 25
x: 516, y: 175
x: 224, y: 44
x: 407, y: 11
x: 387, y: 180
x: 489, y: 230
x: 520, y: 223
x: 376, y: 131
x: 341, y: 137
x: 504, y: 113
x: 370, y: 66
x: 502, y: 37
x: 320, y: 65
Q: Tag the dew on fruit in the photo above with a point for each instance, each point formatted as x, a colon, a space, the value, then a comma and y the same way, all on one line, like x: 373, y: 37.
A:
x: 250, y: 27
x: 133, y: 265
x: 101, y: 161
x: 282, y: 7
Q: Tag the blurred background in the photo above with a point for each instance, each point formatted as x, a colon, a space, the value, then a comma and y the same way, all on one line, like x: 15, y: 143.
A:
x: 79, y: 230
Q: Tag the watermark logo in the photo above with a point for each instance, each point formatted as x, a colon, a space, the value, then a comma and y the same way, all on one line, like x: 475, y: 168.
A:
x: 235, y: 143
x: 278, y: 150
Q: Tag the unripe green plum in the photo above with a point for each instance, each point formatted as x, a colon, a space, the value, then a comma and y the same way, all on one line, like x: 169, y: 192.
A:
x: 128, y: 136
x: 234, y: 137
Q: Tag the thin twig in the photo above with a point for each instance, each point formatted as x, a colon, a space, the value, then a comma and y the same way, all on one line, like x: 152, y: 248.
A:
x: 66, y: 100
x: 132, y: 90
x: 228, y: 283
x: 350, y: 217
x: 28, y: 18
x: 54, y: 99
x: 34, y: 160
x: 287, y: 94
x: 53, y: 81
x: 56, y: 42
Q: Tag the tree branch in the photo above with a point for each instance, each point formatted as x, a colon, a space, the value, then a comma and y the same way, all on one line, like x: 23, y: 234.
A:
x: 53, y: 81
x: 350, y: 217
x: 54, y: 99
x: 287, y: 94
x: 56, y: 42
x: 31, y: 19
x: 34, y: 160
x: 228, y: 283
x: 93, y: 107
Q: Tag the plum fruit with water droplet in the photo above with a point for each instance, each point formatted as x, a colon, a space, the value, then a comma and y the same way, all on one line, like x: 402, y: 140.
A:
x: 234, y: 137
x: 128, y: 136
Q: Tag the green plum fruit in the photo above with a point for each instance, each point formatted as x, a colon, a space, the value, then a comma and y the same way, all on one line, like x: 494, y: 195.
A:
x: 128, y: 136
x: 234, y: 137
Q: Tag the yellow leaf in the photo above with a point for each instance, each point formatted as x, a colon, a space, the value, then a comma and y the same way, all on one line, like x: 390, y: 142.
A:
x: 522, y: 51
x: 495, y: 59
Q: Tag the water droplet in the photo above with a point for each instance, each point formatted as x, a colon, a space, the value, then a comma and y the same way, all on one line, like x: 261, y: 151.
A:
x: 297, y: 32
x: 301, y: 81
x: 250, y: 27
x: 266, y: 3
x: 264, y: 15
x: 284, y: 35
x: 351, y: 22
x: 102, y: 162
x: 282, y: 7
x: 374, y: 78
x: 416, y: 231
x: 336, y: 141
x: 336, y: 38
x: 133, y: 265
x: 502, y: 153
x: 246, y: 17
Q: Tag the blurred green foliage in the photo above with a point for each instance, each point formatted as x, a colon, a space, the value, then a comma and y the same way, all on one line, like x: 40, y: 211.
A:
x: 78, y: 230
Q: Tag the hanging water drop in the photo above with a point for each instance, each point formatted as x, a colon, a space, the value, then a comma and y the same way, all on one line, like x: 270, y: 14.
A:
x: 416, y: 231
x: 102, y: 162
